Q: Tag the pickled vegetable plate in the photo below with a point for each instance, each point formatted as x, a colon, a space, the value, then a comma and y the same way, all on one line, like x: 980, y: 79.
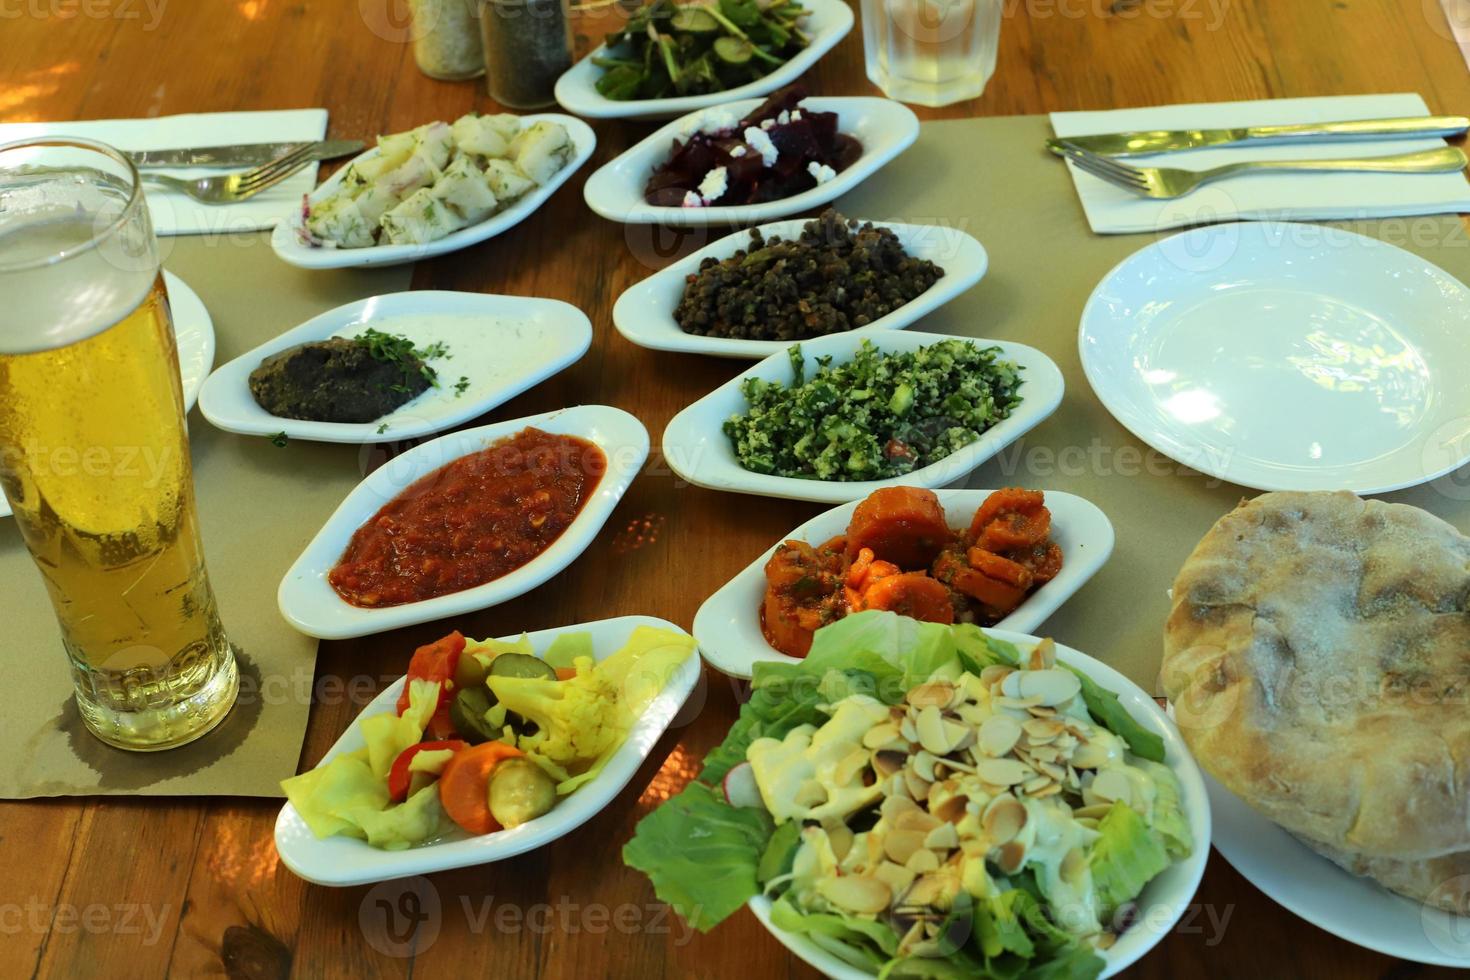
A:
x: 342, y: 861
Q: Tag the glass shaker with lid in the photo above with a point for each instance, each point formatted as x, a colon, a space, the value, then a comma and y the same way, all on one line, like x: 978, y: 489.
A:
x: 446, y: 39
x: 527, y: 44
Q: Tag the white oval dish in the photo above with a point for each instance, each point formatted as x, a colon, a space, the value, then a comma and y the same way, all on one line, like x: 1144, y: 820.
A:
x: 1285, y: 356
x: 502, y: 345
x: 1352, y: 908
x: 194, y: 338
x: 1165, y: 898
x: 347, y: 861
x: 697, y: 449
x: 286, y: 241
x: 644, y: 313
x: 728, y: 625
x: 311, y: 605
x: 885, y: 129
x: 576, y: 90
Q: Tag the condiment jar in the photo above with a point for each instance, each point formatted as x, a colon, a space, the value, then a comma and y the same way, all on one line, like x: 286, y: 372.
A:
x: 446, y: 39
x: 528, y: 44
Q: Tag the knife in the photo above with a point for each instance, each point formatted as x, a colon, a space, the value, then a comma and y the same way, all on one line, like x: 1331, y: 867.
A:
x: 1165, y: 141
x: 242, y: 155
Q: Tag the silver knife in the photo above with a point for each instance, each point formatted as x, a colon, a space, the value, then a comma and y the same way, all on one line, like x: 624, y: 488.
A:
x: 242, y: 155
x: 1164, y: 141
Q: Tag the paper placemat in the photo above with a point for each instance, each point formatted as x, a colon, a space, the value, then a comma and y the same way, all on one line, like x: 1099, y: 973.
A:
x: 1281, y: 197
x: 994, y: 179
x: 259, y: 505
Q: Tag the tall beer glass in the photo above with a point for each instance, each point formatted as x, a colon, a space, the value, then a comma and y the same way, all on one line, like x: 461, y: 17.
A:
x: 94, y: 455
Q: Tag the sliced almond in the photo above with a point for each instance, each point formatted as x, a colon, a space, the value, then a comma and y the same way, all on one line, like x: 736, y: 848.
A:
x: 1004, y: 819
x: 1096, y: 811
x: 900, y: 845
x: 1043, y: 655
x: 916, y: 820
x: 1033, y: 786
x: 990, y: 676
x: 893, y: 806
x: 907, y: 731
x: 1011, y: 857
x: 1111, y: 784
x: 1051, y: 790
x: 935, y: 694
x: 851, y: 765
x: 917, y: 786
x: 959, y: 735
x: 942, y: 838
x: 1042, y: 753
x: 923, y: 764
x: 840, y: 837
x: 863, y: 895
x: 1003, y: 772
x: 998, y: 735
x: 934, y: 890
x: 887, y: 762
x: 1073, y: 865
x: 1039, y: 731
x: 930, y: 728
x: 895, y: 876
x: 881, y: 736
x: 922, y: 861
x: 1018, y: 704
x: 1089, y: 755
x: 1053, y: 685
x: 951, y: 809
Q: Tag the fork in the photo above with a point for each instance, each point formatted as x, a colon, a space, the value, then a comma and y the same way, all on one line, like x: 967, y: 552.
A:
x: 233, y: 188
x: 1171, y: 182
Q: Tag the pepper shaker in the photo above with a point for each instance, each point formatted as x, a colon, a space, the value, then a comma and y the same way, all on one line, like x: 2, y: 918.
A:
x: 528, y: 44
x: 446, y: 39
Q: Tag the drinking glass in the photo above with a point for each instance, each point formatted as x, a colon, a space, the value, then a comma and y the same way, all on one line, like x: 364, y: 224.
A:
x: 931, y: 52
x: 94, y: 453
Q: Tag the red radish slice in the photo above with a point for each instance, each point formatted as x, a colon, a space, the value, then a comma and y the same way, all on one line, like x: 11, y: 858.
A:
x: 740, y: 788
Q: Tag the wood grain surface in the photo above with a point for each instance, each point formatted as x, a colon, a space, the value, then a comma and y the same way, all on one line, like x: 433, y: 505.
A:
x: 143, y: 888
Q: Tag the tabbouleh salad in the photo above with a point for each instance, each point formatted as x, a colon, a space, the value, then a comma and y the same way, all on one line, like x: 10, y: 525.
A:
x: 877, y: 416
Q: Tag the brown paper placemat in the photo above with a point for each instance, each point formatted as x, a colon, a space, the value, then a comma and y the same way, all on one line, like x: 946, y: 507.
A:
x: 993, y: 179
x: 259, y: 506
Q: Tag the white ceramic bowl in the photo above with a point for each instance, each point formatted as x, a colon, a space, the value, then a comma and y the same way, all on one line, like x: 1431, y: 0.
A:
x: 501, y: 344
x: 309, y: 602
x: 884, y: 128
x: 644, y: 313
x: 286, y: 239
x: 348, y: 861
x: 728, y: 624
x: 576, y: 90
x: 697, y: 449
x: 1163, y: 900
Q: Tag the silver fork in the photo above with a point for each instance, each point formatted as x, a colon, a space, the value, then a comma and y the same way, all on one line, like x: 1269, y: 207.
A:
x: 233, y: 188
x: 1171, y: 182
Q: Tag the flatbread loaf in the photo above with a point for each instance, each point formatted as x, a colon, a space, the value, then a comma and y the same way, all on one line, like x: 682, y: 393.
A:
x: 1443, y: 882
x: 1318, y: 657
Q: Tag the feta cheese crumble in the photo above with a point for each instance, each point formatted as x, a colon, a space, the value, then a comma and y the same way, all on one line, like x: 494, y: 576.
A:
x: 820, y: 171
x: 714, y: 185
x: 692, y: 200
x: 738, y: 150
x: 711, y: 122
x: 761, y: 143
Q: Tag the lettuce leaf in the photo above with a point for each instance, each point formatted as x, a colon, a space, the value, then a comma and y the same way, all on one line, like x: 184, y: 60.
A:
x: 1168, y: 820
x: 780, y: 853
x: 913, y: 650
x: 864, y: 943
x: 701, y: 854
x: 1125, y: 857
x: 1106, y: 708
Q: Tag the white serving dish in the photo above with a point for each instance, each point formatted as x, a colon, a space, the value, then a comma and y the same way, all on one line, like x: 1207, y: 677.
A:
x: 194, y: 338
x: 1285, y: 356
x: 348, y: 861
x: 286, y: 240
x: 644, y: 313
x: 728, y: 625
x: 310, y: 604
x: 511, y: 344
x: 576, y: 90
x: 1165, y: 898
x: 697, y: 449
x: 885, y: 129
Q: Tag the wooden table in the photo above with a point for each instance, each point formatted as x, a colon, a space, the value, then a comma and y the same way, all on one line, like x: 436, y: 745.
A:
x: 143, y: 887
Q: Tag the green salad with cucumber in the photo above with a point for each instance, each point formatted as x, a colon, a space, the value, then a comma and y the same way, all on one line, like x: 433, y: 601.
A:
x: 925, y: 801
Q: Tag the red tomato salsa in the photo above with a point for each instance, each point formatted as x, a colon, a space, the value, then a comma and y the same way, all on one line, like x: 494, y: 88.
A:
x: 471, y: 521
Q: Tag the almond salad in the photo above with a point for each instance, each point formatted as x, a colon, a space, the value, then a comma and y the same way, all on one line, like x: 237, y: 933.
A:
x: 926, y: 801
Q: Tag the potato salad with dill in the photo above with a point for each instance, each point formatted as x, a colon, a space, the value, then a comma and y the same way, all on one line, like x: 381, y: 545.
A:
x: 877, y: 416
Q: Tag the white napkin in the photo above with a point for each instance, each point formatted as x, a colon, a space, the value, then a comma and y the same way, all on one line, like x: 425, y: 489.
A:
x: 1285, y: 196
x: 177, y: 214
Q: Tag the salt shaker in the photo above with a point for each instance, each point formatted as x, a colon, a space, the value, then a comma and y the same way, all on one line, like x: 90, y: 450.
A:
x: 446, y: 39
x: 528, y: 44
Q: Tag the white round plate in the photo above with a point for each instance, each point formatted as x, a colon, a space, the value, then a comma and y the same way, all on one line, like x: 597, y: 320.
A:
x: 286, y: 239
x: 501, y: 345
x: 309, y: 602
x: 644, y: 313
x: 1349, y: 907
x: 576, y: 90
x: 1285, y: 357
x: 884, y: 128
x: 194, y: 338
x: 1163, y: 900
x: 697, y: 449
x: 728, y: 624
x: 348, y: 861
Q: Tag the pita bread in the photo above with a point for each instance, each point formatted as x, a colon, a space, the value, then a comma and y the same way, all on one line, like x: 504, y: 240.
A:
x: 1318, y: 657
x: 1443, y: 882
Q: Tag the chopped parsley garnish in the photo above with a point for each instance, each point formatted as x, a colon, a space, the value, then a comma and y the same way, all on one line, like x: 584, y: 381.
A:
x: 461, y: 386
x: 382, y: 428
x: 279, y: 440
x: 401, y: 351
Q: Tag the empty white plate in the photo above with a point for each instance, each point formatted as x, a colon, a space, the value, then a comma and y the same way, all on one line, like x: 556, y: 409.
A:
x: 309, y: 602
x: 1349, y: 907
x: 1162, y: 901
x: 884, y: 128
x: 348, y: 861
x: 287, y: 237
x: 697, y: 449
x: 728, y: 625
x: 1285, y: 357
x: 498, y: 345
x: 645, y: 312
x: 194, y: 337
x: 827, y: 23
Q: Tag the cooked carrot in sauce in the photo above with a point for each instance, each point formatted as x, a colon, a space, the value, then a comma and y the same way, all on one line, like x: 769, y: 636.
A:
x: 900, y: 554
x: 470, y: 522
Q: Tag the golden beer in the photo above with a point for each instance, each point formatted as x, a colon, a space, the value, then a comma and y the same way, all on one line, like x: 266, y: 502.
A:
x: 94, y: 459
